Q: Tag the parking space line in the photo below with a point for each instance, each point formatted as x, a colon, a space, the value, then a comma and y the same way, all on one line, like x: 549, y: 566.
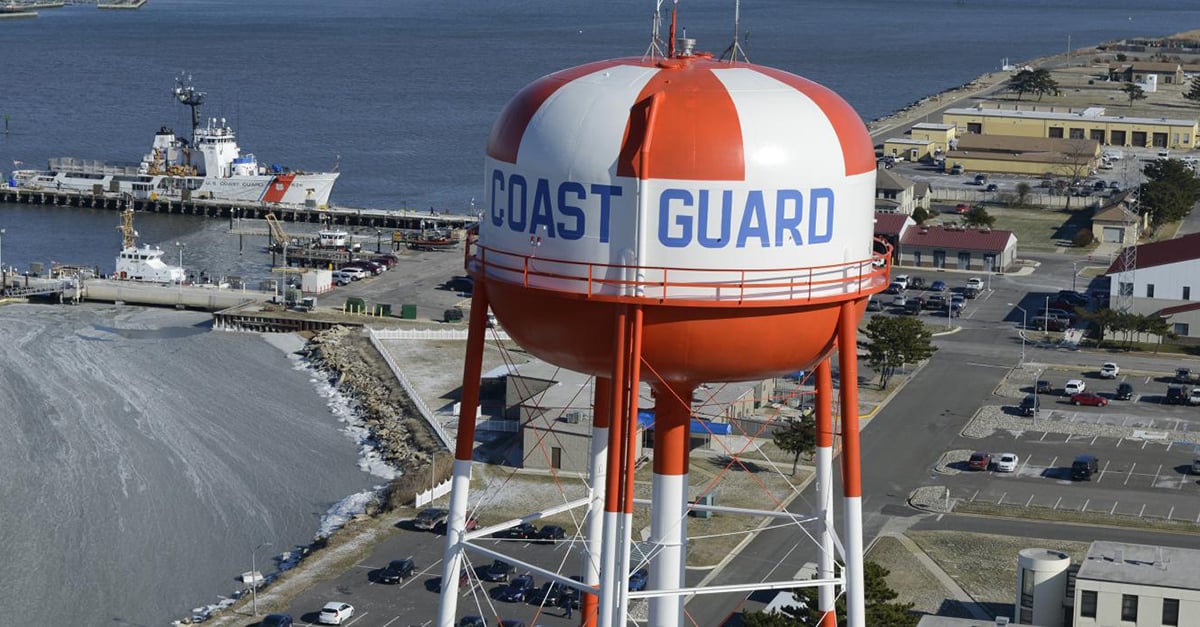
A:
x: 1172, y: 442
x: 1057, y: 502
x: 1053, y: 462
x: 1114, y: 508
x: 1094, y: 439
x: 1143, y: 510
x: 1171, y: 513
x: 1154, y: 482
x: 394, y: 619
x: 1044, y: 434
x: 1125, y: 423
x: 1085, y: 504
x: 1030, y: 501
x: 1144, y: 443
x: 1001, y: 501
x: 1130, y: 473
x: 1149, y: 379
x: 972, y: 500
x: 357, y: 617
x: 1119, y: 440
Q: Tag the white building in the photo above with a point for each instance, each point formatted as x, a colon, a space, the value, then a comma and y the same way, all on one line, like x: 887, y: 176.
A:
x: 1137, y: 585
x: 1164, y: 280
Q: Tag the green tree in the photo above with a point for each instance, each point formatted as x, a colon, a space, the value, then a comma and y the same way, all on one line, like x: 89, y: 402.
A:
x: 800, y: 436
x: 1104, y: 320
x: 1193, y: 92
x: 1134, y: 92
x: 978, y: 216
x: 895, y: 341
x: 1170, y: 193
x: 1038, y: 82
x: 920, y: 215
x: 878, y: 597
x: 1021, y: 82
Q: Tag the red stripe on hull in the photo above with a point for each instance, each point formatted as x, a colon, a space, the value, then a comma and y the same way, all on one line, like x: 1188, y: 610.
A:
x: 278, y: 188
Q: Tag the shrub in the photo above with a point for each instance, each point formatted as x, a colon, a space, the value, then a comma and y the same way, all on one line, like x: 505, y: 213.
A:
x: 1083, y: 237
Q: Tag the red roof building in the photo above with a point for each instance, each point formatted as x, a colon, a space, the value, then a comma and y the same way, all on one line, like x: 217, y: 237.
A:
x: 957, y: 248
x: 1161, y: 280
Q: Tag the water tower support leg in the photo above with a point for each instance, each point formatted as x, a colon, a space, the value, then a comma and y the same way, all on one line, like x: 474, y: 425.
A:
x: 460, y: 482
x: 668, y: 522
x: 633, y: 373
x: 851, y: 466
x: 826, y: 595
x: 598, y: 472
x: 609, y: 578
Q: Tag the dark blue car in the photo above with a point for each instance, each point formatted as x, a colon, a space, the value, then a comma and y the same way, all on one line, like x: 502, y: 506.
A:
x: 517, y: 590
x: 277, y: 620
x: 938, y: 286
x: 638, y: 579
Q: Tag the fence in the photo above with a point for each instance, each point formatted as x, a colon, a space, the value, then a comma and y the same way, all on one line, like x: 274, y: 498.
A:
x: 431, y: 334
x: 1037, y: 198
x: 410, y: 390
x: 431, y: 495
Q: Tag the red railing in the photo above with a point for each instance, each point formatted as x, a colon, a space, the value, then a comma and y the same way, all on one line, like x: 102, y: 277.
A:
x: 695, y: 286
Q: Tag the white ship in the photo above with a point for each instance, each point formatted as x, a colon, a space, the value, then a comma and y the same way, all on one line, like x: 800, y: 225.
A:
x: 142, y: 263
x: 210, y: 165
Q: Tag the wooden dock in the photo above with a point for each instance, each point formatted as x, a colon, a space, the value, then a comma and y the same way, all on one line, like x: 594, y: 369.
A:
x: 346, y: 216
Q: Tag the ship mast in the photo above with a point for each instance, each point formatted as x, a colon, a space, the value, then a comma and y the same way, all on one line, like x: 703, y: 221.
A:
x: 187, y: 94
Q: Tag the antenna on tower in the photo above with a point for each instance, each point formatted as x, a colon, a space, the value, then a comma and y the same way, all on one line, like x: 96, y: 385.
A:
x: 735, y: 48
x: 655, y: 49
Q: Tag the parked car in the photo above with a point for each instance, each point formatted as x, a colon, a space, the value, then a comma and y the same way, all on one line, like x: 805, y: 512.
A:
x: 551, y: 533
x: 975, y: 282
x: 397, y: 571
x: 957, y: 169
x: 902, y: 279
x: 874, y: 305
x: 430, y: 518
x: 970, y: 292
x: 938, y: 286
x: 1073, y: 298
x: 981, y: 179
x: 1183, y: 375
x: 355, y: 273
x: 935, y: 301
x: 638, y: 579
x: 335, y: 613
x: 916, y: 283
x: 1029, y: 405
x: 499, y: 570
x: 1007, y: 462
x: 1194, y: 397
x: 1124, y: 391
x: 899, y: 300
x: 277, y: 620
x: 894, y: 288
x: 914, y: 305
x: 523, y: 531
x: 341, y: 278
x: 1042, y: 386
x: 1073, y: 387
x: 962, y: 208
x: 979, y: 460
x: 1058, y: 313
x: 551, y: 595
x: 471, y: 524
x: 1177, y: 394
x: 1109, y: 370
x: 991, y: 187
x: 1050, y: 324
x: 1084, y: 467
x: 517, y: 590
x: 472, y: 621
x: 1088, y: 398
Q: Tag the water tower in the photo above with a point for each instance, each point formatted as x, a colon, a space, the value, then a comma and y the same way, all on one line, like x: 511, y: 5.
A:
x: 674, y: 219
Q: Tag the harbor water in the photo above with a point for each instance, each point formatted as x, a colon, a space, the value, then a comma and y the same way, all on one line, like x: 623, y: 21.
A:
x: 146, y: 455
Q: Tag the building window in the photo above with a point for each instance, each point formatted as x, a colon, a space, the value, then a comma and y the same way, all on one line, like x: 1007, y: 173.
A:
x: 1056, y: 132
x: 1129, y: 607
x: 1187, y: 292
x: 1076, y: 133
x: 1097, y: 134
x: 1149, y: 290
x: 975, y: 128
x: 1087, y: 604
x: 1026, y: 588
x: 1170, y: 612
x: 1181, y: 329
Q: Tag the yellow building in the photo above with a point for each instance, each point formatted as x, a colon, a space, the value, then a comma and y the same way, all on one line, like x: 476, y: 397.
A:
x: 1066, y: 158
x: 942, y: 135
x: 1091, y: 123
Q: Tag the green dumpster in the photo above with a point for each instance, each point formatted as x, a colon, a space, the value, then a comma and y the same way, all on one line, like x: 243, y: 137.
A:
x: 408, y: 312
x: 383, y: 310
x: 355, y: 305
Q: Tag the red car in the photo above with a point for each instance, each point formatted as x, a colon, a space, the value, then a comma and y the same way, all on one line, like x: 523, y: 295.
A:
x: 979, y: 460
x: 1087, y: 398
x: 962, y: 208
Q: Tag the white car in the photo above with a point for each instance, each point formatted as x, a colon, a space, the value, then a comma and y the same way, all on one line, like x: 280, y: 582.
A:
x: 355, y: 273
x: 1194, y: 399
x: 1073, y: 387
x: 1007, y: 462
x: 975, y: 282
x: 335, y: 612
x: 902, y: 280
x: 1109, y: 370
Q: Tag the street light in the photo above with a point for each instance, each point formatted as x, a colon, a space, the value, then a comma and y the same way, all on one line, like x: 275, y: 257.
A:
x: 1046, y: 319
x: 181, y: 246
x: 3, y: 274
x: 254, y: 578
x: 1024, y: 319
x: 1074, y: 273
x: 378, y: 241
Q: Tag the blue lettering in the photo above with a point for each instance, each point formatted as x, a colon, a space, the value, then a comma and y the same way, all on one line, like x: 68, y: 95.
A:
x: 571, y: 211
x: 754, y: 221
x: 516, y: 222
x: 605, y: 192
x: 820, y: 199
x: 497, y: 180
x: 786, y: 223
x: 683, y: 221
x: 543, y: 210
x: 702, y: 220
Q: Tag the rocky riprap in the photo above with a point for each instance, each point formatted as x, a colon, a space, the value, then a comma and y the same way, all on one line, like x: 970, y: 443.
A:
x: 399, y: 434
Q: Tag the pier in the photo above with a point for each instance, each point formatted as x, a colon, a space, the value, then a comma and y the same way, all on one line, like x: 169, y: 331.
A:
x: 406, y: 219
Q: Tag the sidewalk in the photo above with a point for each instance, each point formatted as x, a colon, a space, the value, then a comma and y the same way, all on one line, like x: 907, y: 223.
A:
x: 955, y: 591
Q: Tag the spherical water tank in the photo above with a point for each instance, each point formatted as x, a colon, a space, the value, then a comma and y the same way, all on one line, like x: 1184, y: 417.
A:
x: 734, y: 202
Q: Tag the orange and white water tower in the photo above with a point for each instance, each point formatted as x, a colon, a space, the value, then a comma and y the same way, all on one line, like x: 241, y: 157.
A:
x: 674, y: 219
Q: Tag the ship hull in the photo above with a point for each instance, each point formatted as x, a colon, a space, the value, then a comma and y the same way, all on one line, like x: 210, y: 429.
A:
x: 289, y: 189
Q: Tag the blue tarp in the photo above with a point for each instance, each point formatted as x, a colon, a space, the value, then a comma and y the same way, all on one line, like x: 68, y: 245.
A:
x: 702, y: 427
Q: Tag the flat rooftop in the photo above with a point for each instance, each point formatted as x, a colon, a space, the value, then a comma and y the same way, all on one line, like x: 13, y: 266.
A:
x: 1141, y: 564
x: 1089, y: 115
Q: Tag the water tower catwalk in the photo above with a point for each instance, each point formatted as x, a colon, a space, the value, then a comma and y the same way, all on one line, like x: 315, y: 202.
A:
x: 674, y: 220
